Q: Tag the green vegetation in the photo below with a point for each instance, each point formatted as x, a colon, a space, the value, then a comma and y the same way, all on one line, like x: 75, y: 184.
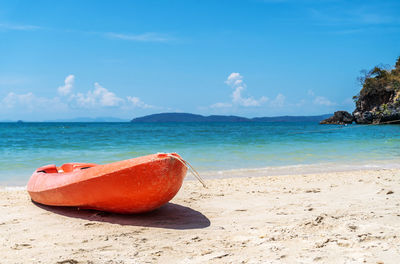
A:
x: 379, y: 99
x: 380, y: 79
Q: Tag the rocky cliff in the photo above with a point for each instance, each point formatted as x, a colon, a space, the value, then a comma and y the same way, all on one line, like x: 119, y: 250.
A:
x: 379, y: 99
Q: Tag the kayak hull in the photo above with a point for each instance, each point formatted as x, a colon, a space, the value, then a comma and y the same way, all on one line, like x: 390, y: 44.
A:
x: 130, y: 186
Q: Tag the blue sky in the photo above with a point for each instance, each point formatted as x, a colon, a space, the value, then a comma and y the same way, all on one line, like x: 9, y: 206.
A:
x: 65, y: 59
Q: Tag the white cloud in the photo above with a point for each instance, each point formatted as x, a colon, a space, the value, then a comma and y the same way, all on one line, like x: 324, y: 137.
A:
x: 145, y: 37
x: 302, y: 102
x: 221, y: 105
x: 235, y: 80
x: 81, y: 100
x: 98, y: 97
x: 279, y: 101
x: 106, y: 98
x: 136, y: 102
x: 68, y: 85
x: 13, y: 99
x: 7, y: 26
x: 320, y: 100
x: 30, y: 102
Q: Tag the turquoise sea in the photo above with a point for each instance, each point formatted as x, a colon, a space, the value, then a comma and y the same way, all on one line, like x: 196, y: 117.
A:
x: 209, y: 147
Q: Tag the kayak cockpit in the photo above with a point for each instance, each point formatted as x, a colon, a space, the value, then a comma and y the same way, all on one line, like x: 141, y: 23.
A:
x: 68, y: 167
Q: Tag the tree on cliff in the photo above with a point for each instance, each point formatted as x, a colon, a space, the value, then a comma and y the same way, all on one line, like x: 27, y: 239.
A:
x: 396, y: 69
x: 380, y: 77
x: 379, y: 98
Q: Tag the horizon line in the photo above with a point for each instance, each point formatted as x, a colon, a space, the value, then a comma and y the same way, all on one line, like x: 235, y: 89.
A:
x: 123, y: 120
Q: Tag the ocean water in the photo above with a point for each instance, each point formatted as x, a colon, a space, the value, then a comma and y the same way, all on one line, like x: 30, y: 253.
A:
x: 209, y: 147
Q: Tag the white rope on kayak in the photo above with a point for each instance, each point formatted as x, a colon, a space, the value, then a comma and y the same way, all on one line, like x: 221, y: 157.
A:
x: 190, y: 168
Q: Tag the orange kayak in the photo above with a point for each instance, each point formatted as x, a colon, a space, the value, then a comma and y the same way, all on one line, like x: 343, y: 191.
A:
x: 129, y: 186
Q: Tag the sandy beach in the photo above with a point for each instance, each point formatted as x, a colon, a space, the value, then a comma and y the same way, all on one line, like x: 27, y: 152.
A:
x: 336, y: 217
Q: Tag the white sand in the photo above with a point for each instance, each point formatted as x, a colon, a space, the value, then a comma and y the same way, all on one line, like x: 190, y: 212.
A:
x: 343, y: 217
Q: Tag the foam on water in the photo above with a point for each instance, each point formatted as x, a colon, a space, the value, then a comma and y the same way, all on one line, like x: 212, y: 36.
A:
x: 301, y: 169
x: 14, y: 188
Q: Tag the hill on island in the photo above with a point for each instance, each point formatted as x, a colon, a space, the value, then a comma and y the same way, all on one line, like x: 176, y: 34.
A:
x: 187, y: 117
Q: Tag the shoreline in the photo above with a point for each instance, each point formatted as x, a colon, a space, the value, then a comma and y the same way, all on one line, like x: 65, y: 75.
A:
x: 335, y: 217
x: 314, y: 168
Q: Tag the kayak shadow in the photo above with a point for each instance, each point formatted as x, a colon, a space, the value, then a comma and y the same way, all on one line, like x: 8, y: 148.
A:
x: 170, y: 216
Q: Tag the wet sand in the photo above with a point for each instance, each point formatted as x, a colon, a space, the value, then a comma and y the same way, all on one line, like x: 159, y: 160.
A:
x: 335, y: 217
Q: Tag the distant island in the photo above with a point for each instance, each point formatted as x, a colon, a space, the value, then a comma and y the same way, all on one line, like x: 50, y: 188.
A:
x: 187, y: 117
x: 378, y: 101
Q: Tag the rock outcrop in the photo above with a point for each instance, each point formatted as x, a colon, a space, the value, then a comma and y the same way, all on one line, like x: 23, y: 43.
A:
x: 339, y: 118
x: 378, y: 101
x: 379, y: 98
